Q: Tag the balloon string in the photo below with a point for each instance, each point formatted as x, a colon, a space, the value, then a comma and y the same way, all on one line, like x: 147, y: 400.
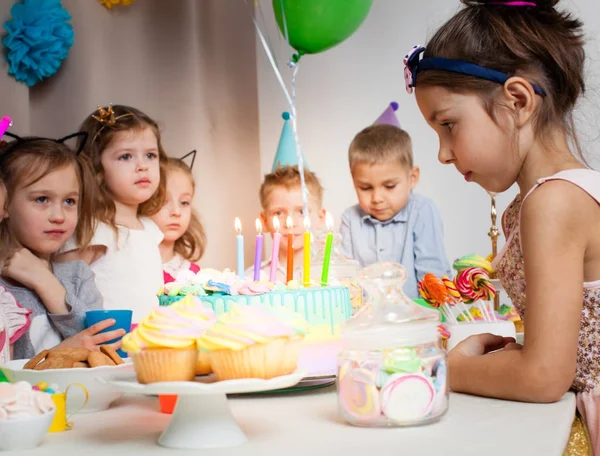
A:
x: 267, y: 37
x: 303, y: 186
x: 265, y: 46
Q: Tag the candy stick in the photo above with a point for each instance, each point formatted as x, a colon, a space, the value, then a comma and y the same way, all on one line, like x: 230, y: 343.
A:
x: 483, y: 308
x: 455, y: 297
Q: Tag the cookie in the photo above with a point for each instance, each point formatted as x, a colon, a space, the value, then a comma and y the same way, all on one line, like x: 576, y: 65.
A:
x: 97, y: 359
x: 76, y: 354
x: 112, y: 354
x: 56, y: 362
x: 36, y: 359
x: 81, y: 364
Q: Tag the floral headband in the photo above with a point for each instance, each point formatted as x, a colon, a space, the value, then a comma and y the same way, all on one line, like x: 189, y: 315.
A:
x: 413, y: 63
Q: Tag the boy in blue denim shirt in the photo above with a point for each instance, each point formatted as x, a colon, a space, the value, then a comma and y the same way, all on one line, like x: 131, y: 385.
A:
x: 391, y: 221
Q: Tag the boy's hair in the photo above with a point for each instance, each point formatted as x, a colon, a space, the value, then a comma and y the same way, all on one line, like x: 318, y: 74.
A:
x: 379, y: 143
x: 24, y: 162
x: 538, y: 43
x: 289, y: 178
x: 192, y: 244
x: 100, y: 135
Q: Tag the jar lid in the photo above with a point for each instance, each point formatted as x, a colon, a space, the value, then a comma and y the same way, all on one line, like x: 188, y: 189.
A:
x: 390, y: 318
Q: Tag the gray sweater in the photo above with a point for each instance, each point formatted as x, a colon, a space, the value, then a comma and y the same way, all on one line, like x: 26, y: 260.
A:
x: 48, y: 330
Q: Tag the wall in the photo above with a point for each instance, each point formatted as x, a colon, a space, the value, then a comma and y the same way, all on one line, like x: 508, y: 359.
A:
x: 345, y: 89
x: 191, y: 66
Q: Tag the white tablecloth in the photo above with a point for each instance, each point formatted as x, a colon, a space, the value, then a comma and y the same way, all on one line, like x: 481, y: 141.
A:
x: 307, y: 424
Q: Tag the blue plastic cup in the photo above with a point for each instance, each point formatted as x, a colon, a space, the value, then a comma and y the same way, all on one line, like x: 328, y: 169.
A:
x: 122, y: 321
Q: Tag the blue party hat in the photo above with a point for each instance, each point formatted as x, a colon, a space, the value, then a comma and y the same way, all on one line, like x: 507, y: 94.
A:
x: 286, y: 150
x: 389, y: 116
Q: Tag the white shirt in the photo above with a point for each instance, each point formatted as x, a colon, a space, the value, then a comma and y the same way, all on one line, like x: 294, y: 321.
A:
x: 130, y: 274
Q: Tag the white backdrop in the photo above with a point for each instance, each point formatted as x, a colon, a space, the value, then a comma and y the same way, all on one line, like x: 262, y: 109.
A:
x: 344, y: 89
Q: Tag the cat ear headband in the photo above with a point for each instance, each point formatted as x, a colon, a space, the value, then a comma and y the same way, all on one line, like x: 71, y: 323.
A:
x: 18, y: 141
x: 190, y: 154
x: 413, y: 64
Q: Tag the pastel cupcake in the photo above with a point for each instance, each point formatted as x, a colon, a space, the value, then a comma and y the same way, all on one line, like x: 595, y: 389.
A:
x: 254, y: 342
x: 191, y: 308
x: 163, y: 346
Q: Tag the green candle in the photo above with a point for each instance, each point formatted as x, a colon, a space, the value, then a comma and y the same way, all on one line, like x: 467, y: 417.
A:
x: 327, y: 255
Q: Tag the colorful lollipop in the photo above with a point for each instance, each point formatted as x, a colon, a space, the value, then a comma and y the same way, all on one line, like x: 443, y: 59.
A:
x: 444, y: 333
x: 473, y: 261
x: 359, y: 396
x: 455, y: 296
x: 474, y: 284
x: 434, y: 291
x: 407, y: 398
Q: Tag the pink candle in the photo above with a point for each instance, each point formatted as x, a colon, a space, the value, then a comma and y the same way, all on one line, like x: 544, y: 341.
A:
x: 275, y: 251
x: 258, y: 251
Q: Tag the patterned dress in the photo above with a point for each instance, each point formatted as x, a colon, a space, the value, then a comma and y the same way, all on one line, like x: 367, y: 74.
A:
x: 172, y: 268
x: 511, y: 272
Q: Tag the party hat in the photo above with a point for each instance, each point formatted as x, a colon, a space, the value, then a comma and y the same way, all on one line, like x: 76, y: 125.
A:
x: 389, y: 116
x: 286, y: 151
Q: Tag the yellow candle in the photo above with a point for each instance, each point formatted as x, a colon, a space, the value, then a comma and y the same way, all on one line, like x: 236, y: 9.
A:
x: 306, y: 275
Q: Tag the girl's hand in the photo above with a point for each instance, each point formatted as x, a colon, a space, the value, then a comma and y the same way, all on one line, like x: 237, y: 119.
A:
x: 91, y: 338
x: 481, y: 344
x: 24, y: 267
x: 35, y: 274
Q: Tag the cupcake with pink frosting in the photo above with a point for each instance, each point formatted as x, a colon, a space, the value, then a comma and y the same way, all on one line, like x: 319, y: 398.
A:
x: 163, y: 346
x: 254, y: 342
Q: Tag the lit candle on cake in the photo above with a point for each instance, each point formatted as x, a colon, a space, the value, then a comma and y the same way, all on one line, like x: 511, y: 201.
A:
x: 289, y: 223
x: 275, y: 251
x: 258, y: 250
x: 306, y: 275
x: 328, y: 245
x: 240, y: 248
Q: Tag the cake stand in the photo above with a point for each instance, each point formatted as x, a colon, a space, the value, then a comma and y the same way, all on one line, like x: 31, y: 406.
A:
x: 202, y: 418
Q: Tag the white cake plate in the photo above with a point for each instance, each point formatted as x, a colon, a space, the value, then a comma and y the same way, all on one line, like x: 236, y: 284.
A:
x: 202, y: 418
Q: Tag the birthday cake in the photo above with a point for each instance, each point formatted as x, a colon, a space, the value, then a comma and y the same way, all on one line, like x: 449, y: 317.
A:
x: 324, y: 308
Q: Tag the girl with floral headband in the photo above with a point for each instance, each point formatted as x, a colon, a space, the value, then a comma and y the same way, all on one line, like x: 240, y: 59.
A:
x: 129, y: 163
x: 184, y: 238
x: 498, y: 83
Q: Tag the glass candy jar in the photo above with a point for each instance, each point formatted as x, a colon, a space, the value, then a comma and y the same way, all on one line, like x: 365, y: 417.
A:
x: 392, y: 368
x: 342, y: 271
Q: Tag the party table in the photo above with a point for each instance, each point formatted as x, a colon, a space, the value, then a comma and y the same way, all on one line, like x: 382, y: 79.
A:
x: 307, y: 424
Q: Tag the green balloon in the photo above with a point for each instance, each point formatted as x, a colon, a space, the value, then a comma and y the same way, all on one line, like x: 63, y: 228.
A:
x: 314, y: 26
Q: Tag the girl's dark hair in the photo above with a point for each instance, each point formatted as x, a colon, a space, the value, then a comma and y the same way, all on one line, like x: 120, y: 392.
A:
x: 27, y: 160
x: 100, y: 135
x: 539, y: 43
x: 192, y: 244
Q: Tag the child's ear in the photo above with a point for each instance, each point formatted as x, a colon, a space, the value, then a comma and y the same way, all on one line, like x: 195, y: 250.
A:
x: 414, y: 176
x: 263, y: 220
x: 322, y: 214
